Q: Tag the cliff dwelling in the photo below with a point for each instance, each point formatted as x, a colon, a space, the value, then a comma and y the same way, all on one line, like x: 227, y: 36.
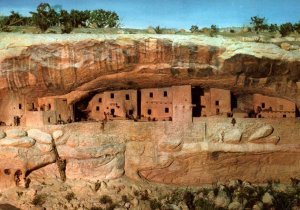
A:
x: 113, y: 105
x: 272, y: 107
x: 176, y: 103
x: 96, y: 115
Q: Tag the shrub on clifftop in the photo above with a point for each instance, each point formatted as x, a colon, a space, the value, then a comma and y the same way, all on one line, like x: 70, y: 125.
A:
x: 258, y: 23
x: 44, y: 17
x: 104, y: 19
x: 213, y: 30
x: 194, y: 29
x: 286, y: 28
x: 66, y: 22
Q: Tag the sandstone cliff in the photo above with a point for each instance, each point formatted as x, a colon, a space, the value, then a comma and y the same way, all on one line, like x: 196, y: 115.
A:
x: 207, y: 151
x: 59, y: 64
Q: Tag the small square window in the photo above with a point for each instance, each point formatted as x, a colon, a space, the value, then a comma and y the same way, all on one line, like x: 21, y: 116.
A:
x: 263, y: 105
x: 151, y: 95
x: 165, y: 94
x: 127, y: 97
x: 112, y: 112
x: 97, y: 108
x: 281, y: 107
x: 112, y: 95
x: 100, y: 100
x: 284, y: 116
x: 149, y: 111
x: 217, y: 103
x: 20, y: 106
x: 166, y: 110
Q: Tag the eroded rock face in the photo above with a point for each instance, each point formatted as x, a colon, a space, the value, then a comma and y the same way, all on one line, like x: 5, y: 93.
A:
x: 34, y: 157
x: 261, y: 133
x: 233, y: 136
x: 160, y: 152
x: 2, y: 134
x: 20, y: 155
x: 52, y: 65
x: 40, y: 136
x: 224, y: 153
x: 15, y: 133
x: 18, y: 142
x: 57, y: 134
x: 93, y: 160
x: 96, y: 169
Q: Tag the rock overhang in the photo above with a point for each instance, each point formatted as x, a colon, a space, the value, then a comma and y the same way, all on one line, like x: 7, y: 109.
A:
x: 52, y: 64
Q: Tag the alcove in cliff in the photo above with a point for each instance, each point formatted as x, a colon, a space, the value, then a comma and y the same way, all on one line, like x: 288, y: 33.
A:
x: 197, y: 92
x: 80, y: 108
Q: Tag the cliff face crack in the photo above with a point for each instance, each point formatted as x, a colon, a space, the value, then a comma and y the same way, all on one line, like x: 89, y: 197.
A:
x: 61, y: 164
x: 37, y: 167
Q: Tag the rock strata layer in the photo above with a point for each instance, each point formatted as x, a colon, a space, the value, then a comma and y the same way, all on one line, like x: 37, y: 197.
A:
x: 55, y: 64
x: 126, y: 148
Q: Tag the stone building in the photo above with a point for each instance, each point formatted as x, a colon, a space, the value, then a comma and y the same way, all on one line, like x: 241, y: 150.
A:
x: 272, y: 107
x: 49, y: 110
x: 215, y: 102
x: 120, y: 104
x: 12, y: 106
x: 30, y: 111
x: 156, y: 103
x: 169, y: 103
x: 182, y: 104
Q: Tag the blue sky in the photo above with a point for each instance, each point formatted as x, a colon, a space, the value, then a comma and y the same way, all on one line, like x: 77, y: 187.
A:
x: 176, y: 13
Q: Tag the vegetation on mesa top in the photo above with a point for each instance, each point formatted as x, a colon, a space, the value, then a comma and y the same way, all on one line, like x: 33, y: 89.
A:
x: 45, y: 17
x: 259, y: 24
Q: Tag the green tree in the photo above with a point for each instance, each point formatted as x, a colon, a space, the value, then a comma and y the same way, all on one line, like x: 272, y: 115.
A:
x: 285, y: 29
x: 158, y: 30
x: 14, y: 19
x: 273, y: 28
x: 297, y: 27
x: 104, y: 19
x: 45, y: 17
x: 213, y: 30
x: 258, y: 23
x: 66, y: 22
x: 4, y: 24
x: 27, y: 21
x: 194, y: 29
x: 79, y: 18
